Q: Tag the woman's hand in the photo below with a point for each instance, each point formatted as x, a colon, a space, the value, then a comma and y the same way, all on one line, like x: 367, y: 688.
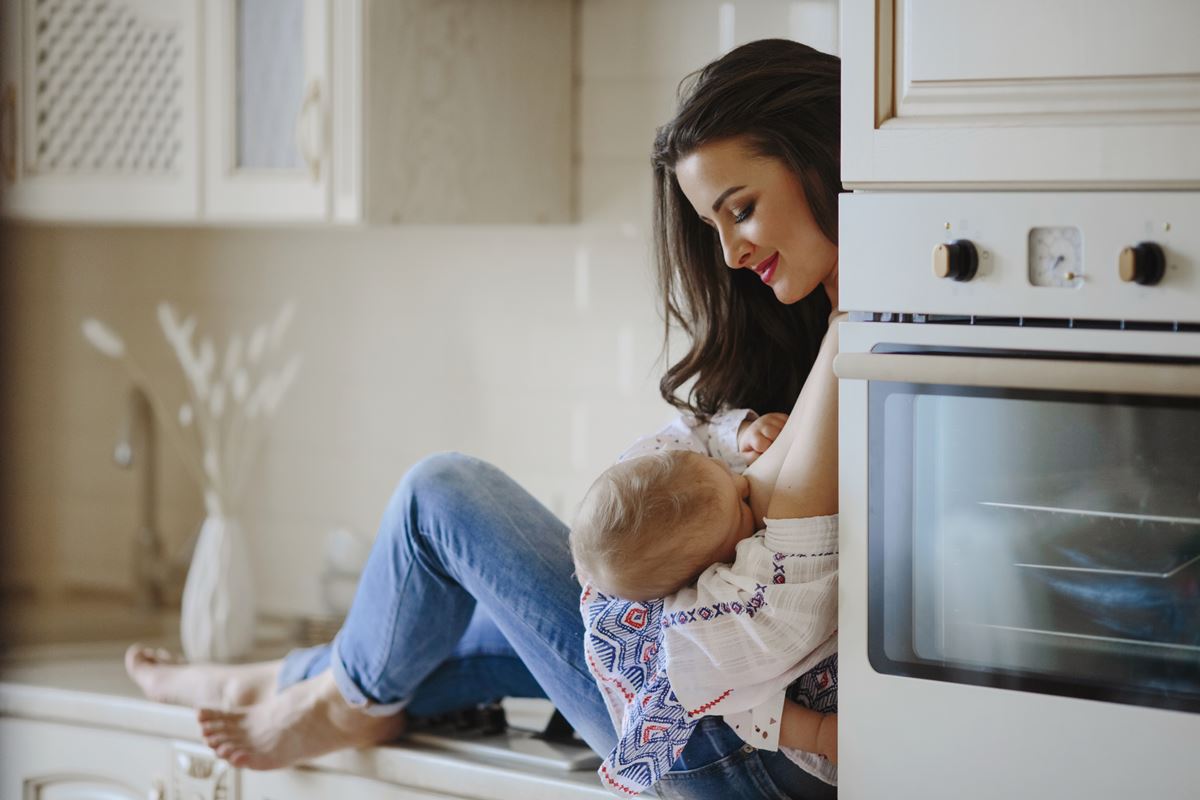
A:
x: 755, y: 437
x: 827, y: 738
x: 811, y: 731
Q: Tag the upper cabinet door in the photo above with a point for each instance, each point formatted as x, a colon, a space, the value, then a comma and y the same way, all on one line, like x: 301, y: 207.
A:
x: 1024, y: 93
x: 267, y: 127
x: 98, y: 109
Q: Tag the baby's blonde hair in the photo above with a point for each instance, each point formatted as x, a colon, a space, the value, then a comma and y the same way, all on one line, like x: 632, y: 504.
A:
x: 625, y: 536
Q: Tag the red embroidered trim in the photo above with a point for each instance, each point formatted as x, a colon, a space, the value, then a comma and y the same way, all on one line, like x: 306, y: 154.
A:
x: 608, y: 679
x: 702, y: 710
x: 611, y: 782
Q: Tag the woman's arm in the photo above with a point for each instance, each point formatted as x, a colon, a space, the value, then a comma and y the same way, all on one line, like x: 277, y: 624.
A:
x: 811, y: 731
x: 807, y: 485
x: 810, y: 458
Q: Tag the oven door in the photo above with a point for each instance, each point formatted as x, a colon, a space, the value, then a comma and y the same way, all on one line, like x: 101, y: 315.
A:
x: 1034, y: 521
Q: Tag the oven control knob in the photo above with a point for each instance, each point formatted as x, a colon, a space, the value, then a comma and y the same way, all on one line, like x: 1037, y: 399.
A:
x: 957, y: 260
x: 1143, y: 263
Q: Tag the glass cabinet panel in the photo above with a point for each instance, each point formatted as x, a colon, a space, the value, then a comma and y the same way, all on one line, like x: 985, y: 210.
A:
x: 270, y: 77
x: 1037, y: 540
x: 267, y: 110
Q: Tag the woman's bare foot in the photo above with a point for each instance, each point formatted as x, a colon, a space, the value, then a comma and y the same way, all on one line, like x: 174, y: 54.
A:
x: 167, y: 678
x: 305, y: 720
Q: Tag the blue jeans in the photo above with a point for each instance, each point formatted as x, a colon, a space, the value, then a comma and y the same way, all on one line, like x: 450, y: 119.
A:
x: 469, y: 596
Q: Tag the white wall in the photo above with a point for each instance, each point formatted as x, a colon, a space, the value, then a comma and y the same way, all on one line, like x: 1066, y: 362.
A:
x: 535, y: 348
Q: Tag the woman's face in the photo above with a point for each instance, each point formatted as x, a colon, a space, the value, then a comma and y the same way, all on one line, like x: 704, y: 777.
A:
x: 761, y: 214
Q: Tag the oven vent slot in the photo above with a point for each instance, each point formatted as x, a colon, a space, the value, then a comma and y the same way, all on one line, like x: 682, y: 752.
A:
x: 1024, y: 322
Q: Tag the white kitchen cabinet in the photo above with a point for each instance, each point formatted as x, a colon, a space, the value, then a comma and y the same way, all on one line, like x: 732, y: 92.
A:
x: 354, y: 111
x: 49, y: 761
x: 459, y: 110
x: 98, y: 109
x: 388, y: 111
x: 1020, y: 94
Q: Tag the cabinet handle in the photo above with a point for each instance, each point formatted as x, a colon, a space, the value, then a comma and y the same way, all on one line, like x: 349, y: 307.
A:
x: 8, y: 110
x: 195, y: 766
x: 309, y: 150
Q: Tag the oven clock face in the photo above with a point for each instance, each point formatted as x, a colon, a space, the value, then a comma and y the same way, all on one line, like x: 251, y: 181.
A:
x: 1055, y: 257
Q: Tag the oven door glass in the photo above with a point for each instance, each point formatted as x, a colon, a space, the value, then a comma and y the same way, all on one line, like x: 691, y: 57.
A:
x: 1036, y: 540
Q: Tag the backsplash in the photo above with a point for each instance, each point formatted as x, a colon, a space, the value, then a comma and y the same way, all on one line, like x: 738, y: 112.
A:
x: 535, y: 348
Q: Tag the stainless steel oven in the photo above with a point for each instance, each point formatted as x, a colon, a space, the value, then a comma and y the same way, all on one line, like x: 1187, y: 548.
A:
x: 1020, y: 477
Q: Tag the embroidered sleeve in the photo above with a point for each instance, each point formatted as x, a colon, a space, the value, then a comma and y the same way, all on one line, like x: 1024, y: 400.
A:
x: 716, y: 438
x: 623, y: 654
x: 757, y: 624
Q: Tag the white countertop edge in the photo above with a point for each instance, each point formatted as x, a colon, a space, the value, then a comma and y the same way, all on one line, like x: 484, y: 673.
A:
x: 416, y: 766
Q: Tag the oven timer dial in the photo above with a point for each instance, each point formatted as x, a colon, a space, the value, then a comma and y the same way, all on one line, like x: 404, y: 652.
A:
x: 1055, y: 257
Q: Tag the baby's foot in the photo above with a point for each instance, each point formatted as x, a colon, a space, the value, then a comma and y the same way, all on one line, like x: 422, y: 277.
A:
x: 304, y: 721
x: 167, y: 678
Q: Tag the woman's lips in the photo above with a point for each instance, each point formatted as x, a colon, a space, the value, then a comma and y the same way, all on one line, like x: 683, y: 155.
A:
x: 766, y: 270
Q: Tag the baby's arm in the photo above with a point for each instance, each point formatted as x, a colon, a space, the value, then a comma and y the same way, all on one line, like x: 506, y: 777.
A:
x: 811, y: 731
x: 802, y: 463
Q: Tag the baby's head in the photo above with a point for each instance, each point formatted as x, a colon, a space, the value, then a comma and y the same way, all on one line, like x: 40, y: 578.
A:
x: 650, y: 525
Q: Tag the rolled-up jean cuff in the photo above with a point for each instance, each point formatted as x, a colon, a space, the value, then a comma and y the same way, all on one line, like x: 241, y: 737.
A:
x: 353, y: 694
x: 301, y: 664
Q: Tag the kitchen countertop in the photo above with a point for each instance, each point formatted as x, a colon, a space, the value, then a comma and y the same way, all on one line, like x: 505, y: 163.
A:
x: 85, y: 684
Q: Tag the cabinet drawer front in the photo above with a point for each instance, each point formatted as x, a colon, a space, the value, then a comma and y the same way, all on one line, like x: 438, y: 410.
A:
x: 1027, y: 58
x: 1103, y: 93
x: 298, y: 784
x: 48, y: 761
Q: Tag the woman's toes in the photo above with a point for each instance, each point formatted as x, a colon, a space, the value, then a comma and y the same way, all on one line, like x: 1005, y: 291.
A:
x: 210, y: 715
x: 163, y: 656
x: 135, y: 656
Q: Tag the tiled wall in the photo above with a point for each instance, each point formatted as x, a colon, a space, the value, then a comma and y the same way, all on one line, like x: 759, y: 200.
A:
x: 535, y: 348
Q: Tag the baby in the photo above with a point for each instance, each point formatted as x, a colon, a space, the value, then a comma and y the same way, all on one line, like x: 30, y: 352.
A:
x: 650, y: 525
x: 743, y: 612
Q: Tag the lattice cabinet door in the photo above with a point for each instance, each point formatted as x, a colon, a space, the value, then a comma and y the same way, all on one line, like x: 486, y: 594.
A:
x: 98, y: 109
x: 267, y: 111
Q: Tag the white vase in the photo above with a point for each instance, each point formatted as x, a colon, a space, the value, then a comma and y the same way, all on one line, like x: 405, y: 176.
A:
x: 218, y: 617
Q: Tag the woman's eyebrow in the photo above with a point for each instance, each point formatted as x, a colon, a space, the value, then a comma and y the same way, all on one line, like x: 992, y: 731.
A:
x: 717, y: 205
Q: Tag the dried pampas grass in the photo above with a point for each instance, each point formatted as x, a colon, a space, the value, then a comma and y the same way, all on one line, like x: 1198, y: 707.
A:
x: 220, y: 428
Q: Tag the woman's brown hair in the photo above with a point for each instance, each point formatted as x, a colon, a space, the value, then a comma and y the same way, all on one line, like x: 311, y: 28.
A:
x: 748, y: 350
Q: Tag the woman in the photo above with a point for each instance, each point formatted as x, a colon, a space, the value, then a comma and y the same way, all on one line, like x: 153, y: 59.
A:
x: 468, y: 594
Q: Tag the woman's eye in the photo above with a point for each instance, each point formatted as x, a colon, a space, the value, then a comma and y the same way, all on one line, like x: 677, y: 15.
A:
x: 744, y: 214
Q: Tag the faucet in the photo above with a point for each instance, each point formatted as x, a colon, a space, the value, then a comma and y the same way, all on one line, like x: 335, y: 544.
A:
x: 136, y: 449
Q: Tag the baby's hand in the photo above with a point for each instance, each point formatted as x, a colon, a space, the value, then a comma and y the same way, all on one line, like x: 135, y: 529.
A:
x: 755, y: 437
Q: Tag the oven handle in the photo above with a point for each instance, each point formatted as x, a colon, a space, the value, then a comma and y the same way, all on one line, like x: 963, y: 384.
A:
x: 1180, y: 380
